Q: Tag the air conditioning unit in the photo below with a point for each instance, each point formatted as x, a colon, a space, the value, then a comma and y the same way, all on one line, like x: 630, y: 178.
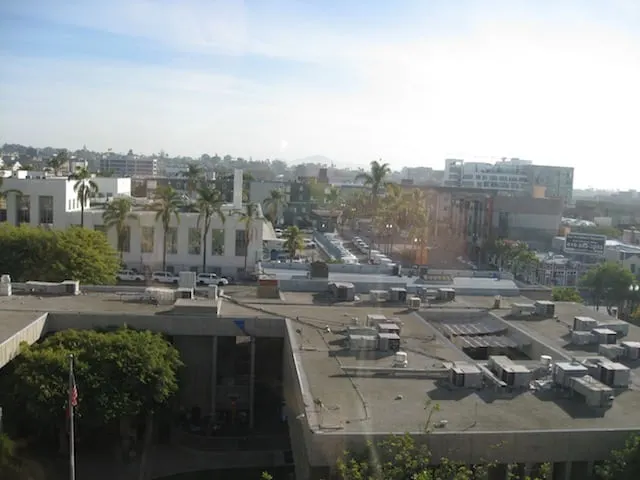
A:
x: 414, y: 303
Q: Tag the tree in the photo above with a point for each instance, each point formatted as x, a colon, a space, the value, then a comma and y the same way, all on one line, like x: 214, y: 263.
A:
x: 208, y: 204
x: 375, y: 179
x: 194, y: 176
x: 119, y: 374
x: 610, y: 232
x: 248, y: 216
x: 293, y: 241
x: 116, y: 216
x: 566, y: 294
x: 623, y: 464
x: 84, y: 187
x: 608, y: 284
x: 31, y: 253
x: 10, y: 464
x: 58, y: 161
x: 167, y: 204
x: 399, y: 458
x: 274, y: 204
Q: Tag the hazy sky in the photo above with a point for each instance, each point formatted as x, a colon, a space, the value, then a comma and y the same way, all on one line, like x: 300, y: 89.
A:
x: 412, y: 82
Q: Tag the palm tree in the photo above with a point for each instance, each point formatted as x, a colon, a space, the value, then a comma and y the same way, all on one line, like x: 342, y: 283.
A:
x: 84, y: 187
x: 208, y: 204
x: 167, y: 203
x: 194, y: 176
x: 115, y: 216
x: 375, y: 179
x: 293, y: 241
x: 274, y: 204
x: 248, y: 217
x: 332, y: 198
x: 58, y: 161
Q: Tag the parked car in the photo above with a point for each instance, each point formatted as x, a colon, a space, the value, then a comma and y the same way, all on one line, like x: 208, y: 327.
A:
x: 165, y: 277
x: 211, y: 279
x: 129, y: 276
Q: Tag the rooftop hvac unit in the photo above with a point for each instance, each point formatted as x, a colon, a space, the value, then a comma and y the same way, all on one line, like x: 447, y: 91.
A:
x: 185, y: 293
x: 465, y: 375
x: 363, y: 342
x: 517, y: 376
x: 584, y: 324
x: 414, y: 303
x: 595, y: 393
x: 563, y: 372
x: 583, y: 338
x: 378, y: 295
x: 614, y: 375
x: 619, y: 326
x: 519, y: 309
x: 631, y: 350
x: 388, y: 342
x: 446, y: 294
x: 605, y: 336
x: 5, y: 286
x: 398, y: 295
x: 374, y: 319
x: 611, y: 351
x: 400, y: 360
x: 545, y: 308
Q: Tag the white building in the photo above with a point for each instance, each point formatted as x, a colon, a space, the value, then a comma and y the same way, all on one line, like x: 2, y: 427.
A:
x: 511, y: 175
x: 624, y: 254
x: 52, y: 201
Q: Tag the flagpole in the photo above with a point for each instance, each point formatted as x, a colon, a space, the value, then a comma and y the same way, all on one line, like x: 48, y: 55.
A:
x: 72, y: 433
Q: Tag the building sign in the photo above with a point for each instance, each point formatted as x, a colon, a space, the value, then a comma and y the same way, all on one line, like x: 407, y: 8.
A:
x: 585, y: 243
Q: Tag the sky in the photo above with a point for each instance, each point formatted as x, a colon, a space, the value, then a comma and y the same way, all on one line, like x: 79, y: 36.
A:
x: 409, y: 81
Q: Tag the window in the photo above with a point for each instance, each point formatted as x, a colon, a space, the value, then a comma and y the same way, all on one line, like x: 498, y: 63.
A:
x: 195, y: 239
x: 146, y: 239
x: 24, y: 209
x: 172, y: 240
x: 241, y: 243
x: 3, y: 209
x: 126, y: 242
x: 217, y: 241
x: 45, y: 206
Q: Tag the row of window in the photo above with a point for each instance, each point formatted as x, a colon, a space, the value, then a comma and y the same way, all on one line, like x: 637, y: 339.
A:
x: 23, y: 209
x: 216, y: 237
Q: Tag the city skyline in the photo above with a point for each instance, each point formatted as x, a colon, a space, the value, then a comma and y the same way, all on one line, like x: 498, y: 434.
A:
x: 412, y: 84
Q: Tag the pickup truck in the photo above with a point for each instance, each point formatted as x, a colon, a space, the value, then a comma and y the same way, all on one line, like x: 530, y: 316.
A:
x: 211, y: 279
x: 129, y: 276
x: 164, y: 277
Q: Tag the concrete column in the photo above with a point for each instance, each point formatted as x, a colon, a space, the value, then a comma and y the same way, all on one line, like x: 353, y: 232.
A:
x: 214, y: 375
x: 561, y: 471
x: 252, y: 382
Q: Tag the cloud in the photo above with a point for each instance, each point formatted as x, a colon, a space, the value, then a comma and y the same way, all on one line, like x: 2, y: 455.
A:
x: 558, y: 90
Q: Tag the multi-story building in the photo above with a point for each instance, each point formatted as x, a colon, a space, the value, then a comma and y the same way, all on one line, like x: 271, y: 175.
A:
x: 129, y: 165
x: 299, y: 201
x: 513, y: 176
x: 52, y: 202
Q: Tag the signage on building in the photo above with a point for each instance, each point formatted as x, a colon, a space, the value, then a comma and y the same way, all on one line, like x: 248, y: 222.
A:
x: 585, y: 243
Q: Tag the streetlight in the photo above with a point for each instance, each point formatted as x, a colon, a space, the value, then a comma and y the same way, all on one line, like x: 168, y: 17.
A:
x: 633, y: 295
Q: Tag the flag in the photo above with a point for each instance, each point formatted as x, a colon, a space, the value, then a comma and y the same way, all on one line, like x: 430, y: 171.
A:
x: 73, y: 391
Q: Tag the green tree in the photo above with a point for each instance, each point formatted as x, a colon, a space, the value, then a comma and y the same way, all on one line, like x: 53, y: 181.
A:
x: 293, y: 241
x: 208, y: 204
x: 167, y: 204
x: 30, y: 253
x: 119, y: 374
x: 399, y: 458
x: 610, y: 232
x: 194, y: 176
x: 608, y: 284
x: 58, y: 161
x: 624, y: 464
x: 375, y: 179
x: 274, y: 204
x: 10, y: 464
x: 84, y: 187
x: 566, y: 294
x: 116, y: 216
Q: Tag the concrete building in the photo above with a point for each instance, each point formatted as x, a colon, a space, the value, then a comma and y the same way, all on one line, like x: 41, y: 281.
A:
x: 299, y: 201
x: 128, y: 165
x: 514, y: 176
x: 512, y: 387
x: 52, y: 201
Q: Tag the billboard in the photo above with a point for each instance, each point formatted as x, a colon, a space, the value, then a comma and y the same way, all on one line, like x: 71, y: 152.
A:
x: 585, y: 243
